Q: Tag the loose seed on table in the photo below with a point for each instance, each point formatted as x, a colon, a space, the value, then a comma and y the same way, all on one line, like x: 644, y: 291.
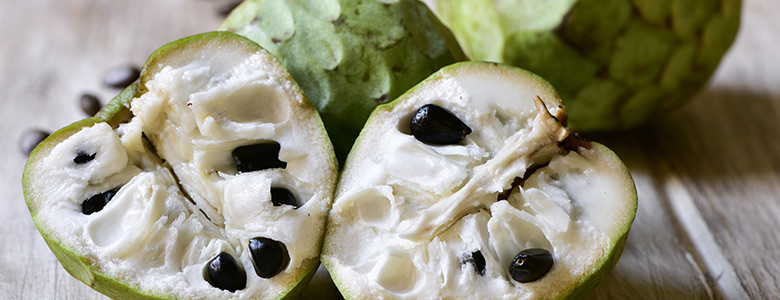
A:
x: 270, y: 256
x: 223, y: 272
x: 90, y: 104
x: 434, y: 124
x: 121, y: 77
x: 531, y: 264
x: 31, y: 138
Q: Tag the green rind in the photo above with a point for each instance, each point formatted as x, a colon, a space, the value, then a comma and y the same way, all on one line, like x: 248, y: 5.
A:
x: 117, y: 111
x: 604, y: 266
x: 636, y: 46
x: 348, y: 56
x: 602, y: 269
x: 83, y: 270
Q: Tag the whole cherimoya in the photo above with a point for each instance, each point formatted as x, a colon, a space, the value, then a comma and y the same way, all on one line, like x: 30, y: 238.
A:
x: 470, y: 187
x: 211, y: 177
x: 348, y: 55
x: 616, y: 63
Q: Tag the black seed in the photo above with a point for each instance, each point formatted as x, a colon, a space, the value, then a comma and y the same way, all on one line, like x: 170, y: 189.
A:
x: 223, y: 272
x: 83, y: 157
x: 90, y: 104
x: 477, y: 260
x: 281, y: 196
x: 97, y: 202
x: 258, y: 157
x: 270, y: 256
x: 121, y: 77
x: 434, y: 124
x: 531, y: 264
x: 30, y: 139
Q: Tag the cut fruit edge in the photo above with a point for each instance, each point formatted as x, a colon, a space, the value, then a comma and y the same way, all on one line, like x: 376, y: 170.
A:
x: 372, y: 139
x: 118, y: 111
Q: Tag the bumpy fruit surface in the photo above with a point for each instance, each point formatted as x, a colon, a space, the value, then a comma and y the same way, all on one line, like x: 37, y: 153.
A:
x: 348, y: 56
x: 616, y: 63
x: 517, y: 209
x: 168, y: 193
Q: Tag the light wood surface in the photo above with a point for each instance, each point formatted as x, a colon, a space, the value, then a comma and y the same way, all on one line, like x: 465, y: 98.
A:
x: 708, y: 176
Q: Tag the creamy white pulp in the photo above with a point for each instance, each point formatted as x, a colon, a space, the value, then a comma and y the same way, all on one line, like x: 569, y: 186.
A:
x: 180, y: 200
x: 408, y: 215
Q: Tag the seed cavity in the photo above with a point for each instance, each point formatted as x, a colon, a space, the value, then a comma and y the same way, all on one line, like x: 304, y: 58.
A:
x: 434, y: 124
x: 520, y: 181
x: 83, y: 157
x: 258, y: 157
x: 270, y: 257
x: 223, y: 272
x: 280, y: 196
x: 531, y: 264
x: 477, y: 260
x: 97, y: 202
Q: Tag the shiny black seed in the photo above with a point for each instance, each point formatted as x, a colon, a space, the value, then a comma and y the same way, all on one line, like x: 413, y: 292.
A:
x: 281, y: 196
x: 223, y: 272
x: 270, y: 256
x: 83, y: 157
x: 30, y: 139
x: 97, y: 202
x: 121, y: 77
x: 90, y: 104
x: 434, y: 124
x: 258, y: 157
x: 531, y: 264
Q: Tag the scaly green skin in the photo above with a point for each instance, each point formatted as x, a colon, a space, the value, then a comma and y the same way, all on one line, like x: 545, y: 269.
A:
x: 117, y: 111
x: 616, y: 63
x: 348, y: 56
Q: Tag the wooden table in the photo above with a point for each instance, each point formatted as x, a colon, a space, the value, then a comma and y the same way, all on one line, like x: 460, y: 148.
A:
x: 708, y: 177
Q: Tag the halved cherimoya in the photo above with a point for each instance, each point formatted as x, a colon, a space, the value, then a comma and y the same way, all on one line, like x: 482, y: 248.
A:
x: 469, y: 186
x: 211, y: 177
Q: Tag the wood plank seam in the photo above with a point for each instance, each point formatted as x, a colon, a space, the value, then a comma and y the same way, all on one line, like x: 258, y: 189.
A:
x: 695, y: 227
x: 700, y: 274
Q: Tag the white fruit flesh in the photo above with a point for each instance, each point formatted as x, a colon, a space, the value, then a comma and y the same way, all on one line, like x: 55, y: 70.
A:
x: 182, y: 202
x: 408, y: 214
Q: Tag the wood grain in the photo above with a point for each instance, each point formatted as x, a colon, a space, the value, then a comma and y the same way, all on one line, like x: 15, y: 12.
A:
x: 708, y: 176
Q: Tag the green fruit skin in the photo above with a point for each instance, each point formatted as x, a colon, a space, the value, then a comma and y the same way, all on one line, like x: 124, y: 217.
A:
x: 117, y: 111
x: 599, y: 271
x: 616, y: 63
x: 348, y: 56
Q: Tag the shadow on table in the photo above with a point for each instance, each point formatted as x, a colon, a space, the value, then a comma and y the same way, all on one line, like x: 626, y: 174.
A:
x: 720, y: 133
